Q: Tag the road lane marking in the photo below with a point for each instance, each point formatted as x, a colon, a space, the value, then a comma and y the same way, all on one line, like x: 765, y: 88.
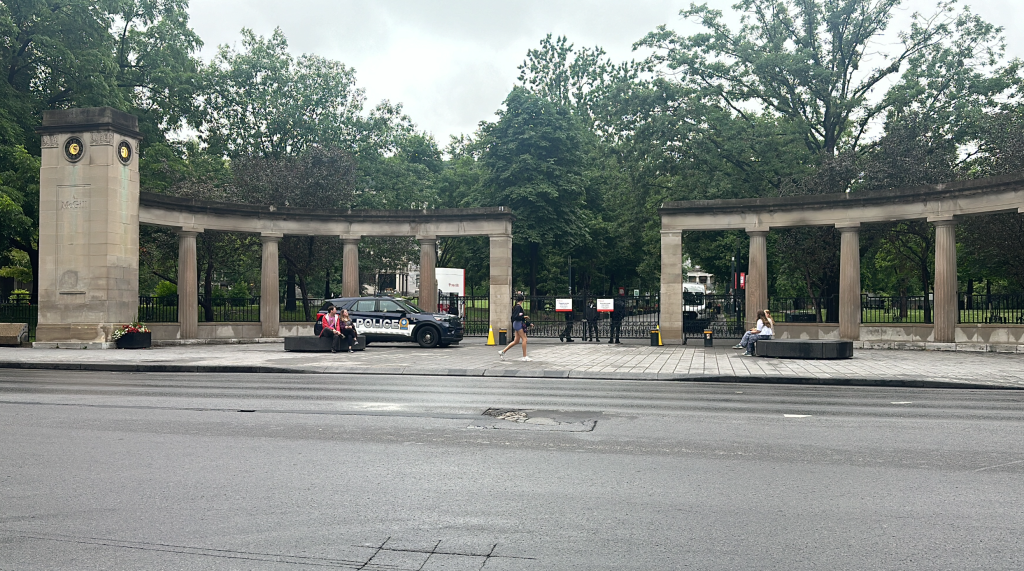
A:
x: 902, y: 402
x: 796, y: 415
x: 999, y: 465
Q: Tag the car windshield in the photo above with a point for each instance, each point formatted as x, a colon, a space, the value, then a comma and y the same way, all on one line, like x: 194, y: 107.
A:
x: 410, y: 307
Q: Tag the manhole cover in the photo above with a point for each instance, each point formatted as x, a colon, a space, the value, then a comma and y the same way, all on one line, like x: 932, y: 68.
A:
x: 528, y: 419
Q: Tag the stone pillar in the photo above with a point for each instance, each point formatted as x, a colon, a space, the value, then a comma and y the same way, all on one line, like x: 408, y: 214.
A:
x: 849, y: 282
x: 501, y: 283
x: 428, y: 279
x: 671, y: 314
x: 946, y: 310
x: 757, y: 276
x: 270, y: 304
x: 188, y: 286
x: 350, y: 267
x: 89, y: 226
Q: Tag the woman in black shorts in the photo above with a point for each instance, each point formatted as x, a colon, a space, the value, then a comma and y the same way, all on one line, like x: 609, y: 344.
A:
x: 519, y: 325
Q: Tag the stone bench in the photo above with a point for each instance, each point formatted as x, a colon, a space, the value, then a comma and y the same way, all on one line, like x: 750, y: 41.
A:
x: 804, y: 348
x: 13, y: 334
x: 311, y: 344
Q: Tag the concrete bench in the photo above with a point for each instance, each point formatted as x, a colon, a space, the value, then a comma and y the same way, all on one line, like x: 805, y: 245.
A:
x: 804, y: 348
x: 310, y: 344
x: 13, y: 334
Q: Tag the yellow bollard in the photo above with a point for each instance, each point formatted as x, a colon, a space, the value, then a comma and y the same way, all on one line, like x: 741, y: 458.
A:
x: 658, y: 327
x: 490, y: 336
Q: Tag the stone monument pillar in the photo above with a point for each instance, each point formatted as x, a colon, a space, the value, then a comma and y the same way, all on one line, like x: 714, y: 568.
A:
x: 500, y: 312
x: 428, y: 275
x: 946, y: 306
x: 88, y: 226
x: 350, y: 267
x: 671, y: 319
x: 849, y: 282
x: 757, y: 276
x: 270, y: 304
x: 188, y: 286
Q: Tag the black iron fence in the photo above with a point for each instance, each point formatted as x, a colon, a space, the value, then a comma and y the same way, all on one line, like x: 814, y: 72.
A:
x: 21, y: 313
x: 992, y: 308
x: 475, y: 312
x: 721, y: 314
x: 897, y: 309
x: 218, y: 309
x: 154, y: 309
x: 298, y: 309
x: 641, y: 314
x: 824, y: 309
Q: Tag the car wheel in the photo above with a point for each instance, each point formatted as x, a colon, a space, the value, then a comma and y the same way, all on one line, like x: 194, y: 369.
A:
x: 428, y: 337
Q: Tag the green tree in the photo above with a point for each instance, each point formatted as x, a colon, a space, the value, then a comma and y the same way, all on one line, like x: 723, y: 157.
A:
x: 534, y: 161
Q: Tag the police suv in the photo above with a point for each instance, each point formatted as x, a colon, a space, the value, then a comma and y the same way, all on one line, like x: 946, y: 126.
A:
x: 390, y: 319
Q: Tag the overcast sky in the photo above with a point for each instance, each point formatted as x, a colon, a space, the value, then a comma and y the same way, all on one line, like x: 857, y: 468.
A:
x: 452, y: 63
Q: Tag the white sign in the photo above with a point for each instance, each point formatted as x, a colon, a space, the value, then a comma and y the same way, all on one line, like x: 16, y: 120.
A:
x: 636, y: 293
x: 563, y: 305
x: 606, y: 305
x: 451, y: 280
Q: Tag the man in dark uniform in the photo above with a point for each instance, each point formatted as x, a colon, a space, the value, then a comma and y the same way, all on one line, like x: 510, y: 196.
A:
x: 618, y: 314
x: 590, y: 314
x: 567, y: 332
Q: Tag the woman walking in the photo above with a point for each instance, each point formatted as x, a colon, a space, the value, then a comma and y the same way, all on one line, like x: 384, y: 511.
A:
x: 519, y: 325
x: 763, y: 330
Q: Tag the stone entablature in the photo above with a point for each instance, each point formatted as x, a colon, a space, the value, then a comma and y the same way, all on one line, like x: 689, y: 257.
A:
x: 930, y: 202
x: 199, y: 215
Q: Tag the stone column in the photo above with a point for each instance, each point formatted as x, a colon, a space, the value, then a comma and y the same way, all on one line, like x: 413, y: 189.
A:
x: 428, y: 279
x: 270, y: 304
x: 89, y: 226
x: 849, y: 282
x: 671, y: 301
x: 350, y: 267
x: 188, y: 286
x: 757, y: 276
x: 501, y: 283
x: 945, y: 281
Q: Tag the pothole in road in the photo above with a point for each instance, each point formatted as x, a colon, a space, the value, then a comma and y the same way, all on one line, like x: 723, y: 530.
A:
x: 543, y: 420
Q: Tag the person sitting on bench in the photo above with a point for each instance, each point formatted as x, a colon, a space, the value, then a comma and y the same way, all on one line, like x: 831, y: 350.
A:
x: 332, y: 328
x: 763, y: 330
x: 348, y: 330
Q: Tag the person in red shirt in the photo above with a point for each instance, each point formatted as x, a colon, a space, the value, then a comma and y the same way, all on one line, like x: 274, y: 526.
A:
x: 332, y: 328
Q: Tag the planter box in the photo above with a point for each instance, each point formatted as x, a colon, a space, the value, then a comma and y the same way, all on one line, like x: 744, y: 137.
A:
x: 135, y: 341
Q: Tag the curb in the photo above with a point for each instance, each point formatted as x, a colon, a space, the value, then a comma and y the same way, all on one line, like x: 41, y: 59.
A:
x: 519, y: 373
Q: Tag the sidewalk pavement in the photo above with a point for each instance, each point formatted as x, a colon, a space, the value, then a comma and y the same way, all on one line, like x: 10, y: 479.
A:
x: 632, y: 360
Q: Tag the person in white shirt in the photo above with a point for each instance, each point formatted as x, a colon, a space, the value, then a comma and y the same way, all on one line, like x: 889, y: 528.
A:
x: 763, y: 330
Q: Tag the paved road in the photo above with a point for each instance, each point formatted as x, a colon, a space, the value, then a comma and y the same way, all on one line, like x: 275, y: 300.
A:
x: 162, y: 471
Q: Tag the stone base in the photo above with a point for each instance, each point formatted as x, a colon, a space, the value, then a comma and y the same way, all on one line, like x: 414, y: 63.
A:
x: 13, y: 334
x: 78, y: 333
x: 72, y: 345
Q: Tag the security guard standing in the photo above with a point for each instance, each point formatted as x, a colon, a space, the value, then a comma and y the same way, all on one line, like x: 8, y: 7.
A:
x: 618, y: 314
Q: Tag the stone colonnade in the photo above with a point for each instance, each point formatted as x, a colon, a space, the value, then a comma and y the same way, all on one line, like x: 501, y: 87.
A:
x: 942, y: 205
x: 191, y: 217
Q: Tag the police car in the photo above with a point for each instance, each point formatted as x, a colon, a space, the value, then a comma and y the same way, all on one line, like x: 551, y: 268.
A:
x: 391, y: 319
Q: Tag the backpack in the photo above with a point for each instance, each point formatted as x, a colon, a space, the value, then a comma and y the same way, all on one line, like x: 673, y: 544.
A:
x: 318, y: 327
